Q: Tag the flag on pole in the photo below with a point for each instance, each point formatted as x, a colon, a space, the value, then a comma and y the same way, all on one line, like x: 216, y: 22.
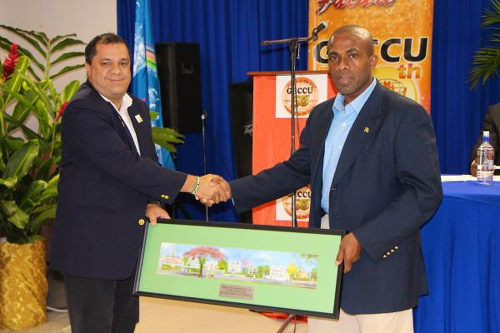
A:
x: 146, y: 85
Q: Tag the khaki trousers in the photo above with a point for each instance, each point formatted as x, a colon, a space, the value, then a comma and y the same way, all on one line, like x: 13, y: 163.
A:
x: 393, y: 322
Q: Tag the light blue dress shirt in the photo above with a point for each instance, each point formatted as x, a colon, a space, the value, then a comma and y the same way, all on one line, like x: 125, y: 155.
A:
x: 343, y: 118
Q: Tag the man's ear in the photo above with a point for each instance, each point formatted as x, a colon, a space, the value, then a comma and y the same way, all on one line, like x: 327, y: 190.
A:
x: 373, y: 61
x: 87, y: 68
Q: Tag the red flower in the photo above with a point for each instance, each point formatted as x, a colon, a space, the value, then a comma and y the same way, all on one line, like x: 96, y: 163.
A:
x: 61, y: 110
x: 10, y: 62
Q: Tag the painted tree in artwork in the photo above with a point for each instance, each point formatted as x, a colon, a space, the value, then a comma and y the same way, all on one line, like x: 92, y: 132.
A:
x: 202, y: 253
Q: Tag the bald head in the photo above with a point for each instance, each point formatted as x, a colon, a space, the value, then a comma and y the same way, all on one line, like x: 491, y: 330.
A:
x: 351, y: 60
x: 357, y: 32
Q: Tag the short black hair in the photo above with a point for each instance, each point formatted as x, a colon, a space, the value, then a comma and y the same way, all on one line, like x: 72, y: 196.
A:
x: 107, y: 38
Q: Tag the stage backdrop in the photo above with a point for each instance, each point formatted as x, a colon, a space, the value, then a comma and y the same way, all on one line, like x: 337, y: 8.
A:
x: 402, y: 31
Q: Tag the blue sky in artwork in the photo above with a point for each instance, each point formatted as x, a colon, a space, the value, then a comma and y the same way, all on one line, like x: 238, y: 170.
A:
x: 256, y: 257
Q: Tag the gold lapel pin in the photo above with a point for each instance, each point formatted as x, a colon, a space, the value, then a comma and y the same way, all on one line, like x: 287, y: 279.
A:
x: 138, y: 118
x: 367, y: 130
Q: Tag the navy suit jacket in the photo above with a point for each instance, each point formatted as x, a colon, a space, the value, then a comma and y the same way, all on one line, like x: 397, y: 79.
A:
x: 491, y: 123
x: 104, y: 188
x: 386, y: 186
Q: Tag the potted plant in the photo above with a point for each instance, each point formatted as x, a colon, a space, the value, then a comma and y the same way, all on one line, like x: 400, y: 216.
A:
x: 487, y: 59
x: 28, y: 169
x: 28, y: 166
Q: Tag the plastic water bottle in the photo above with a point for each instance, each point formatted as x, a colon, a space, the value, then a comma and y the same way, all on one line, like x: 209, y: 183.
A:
x: 485, y: 161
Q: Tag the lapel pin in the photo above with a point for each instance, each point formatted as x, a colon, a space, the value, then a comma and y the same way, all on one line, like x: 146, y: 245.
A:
x: 367, y: 130
x: 139, y: 118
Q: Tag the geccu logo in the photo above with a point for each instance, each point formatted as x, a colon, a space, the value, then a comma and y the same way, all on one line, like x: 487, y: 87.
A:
x: 307, y: 96
x: 340, y: 4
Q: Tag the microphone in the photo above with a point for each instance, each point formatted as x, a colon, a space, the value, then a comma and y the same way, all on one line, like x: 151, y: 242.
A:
x: 204, y: 115
x: 320, y: 27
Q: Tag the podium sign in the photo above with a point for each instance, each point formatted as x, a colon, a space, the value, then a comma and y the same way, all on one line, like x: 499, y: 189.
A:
x: 272, y: 133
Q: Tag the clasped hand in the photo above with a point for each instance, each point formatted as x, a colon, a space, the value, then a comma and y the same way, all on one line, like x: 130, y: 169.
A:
x: 213, y: 189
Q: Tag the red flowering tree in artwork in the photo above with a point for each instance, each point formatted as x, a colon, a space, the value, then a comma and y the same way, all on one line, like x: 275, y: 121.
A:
x: 202, y: 253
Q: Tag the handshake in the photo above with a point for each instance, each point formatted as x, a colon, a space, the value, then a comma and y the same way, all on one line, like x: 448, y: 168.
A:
x: 208, y: 189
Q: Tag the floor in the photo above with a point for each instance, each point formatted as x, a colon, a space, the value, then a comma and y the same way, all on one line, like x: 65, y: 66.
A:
x: 160, y: 315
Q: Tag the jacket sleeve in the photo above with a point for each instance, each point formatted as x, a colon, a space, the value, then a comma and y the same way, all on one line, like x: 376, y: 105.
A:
x: 417, y: 169
x: 91, y: 133
x: 489, y: 124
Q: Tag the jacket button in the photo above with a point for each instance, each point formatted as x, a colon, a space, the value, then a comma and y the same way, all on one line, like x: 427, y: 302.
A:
x: 141, y: 221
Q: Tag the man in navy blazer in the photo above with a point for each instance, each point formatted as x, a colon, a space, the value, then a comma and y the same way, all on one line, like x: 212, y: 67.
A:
x: 370, y: 156
x: 110, y: 182
x: 491, y: 123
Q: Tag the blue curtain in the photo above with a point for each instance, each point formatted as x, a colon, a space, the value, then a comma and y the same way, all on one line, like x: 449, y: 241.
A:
x: 457, y: 111
x: 229, y: 33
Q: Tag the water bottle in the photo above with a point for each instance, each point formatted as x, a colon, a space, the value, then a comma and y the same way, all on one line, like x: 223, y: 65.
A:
x: 485, y: 157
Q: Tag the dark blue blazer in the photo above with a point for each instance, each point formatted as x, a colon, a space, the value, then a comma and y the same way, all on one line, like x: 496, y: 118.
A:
x: 104, y: 188
x: 386, y: 186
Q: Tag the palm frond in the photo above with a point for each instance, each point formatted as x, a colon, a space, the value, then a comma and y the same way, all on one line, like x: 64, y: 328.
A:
x: 487, y: 59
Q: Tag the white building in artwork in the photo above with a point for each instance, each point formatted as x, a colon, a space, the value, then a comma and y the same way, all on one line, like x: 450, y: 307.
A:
x: 234, y: 266
x: 278, y: 273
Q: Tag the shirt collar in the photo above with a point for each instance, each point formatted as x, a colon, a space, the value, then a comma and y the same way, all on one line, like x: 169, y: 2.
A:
x: 126, y: 101
x: 358, y: 103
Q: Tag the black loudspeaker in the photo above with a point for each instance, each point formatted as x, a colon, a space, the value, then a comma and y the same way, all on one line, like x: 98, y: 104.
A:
x: 241, y: 101
x: 180, y: 84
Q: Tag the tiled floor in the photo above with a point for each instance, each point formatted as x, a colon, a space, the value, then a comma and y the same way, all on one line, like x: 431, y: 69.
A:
x: 160, y: 315
x: 57, y: 322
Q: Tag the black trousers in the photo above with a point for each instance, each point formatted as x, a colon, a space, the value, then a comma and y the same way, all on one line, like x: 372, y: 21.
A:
x: 101, y: 306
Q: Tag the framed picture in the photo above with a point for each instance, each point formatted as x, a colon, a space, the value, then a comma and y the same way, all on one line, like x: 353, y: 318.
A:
x: 262, y: 268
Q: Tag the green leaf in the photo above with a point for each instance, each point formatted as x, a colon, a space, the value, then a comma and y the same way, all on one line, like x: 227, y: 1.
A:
x: 8, y: 182
x: 40, y: 36
x: 34, y: 238
x: 48, y: 213
x: 21, y: 161
x: 44, y: 120
x: 59, y: 37
x: 13, y: 144
x: 65, y: 43
x: 22, y: 109
x: 67, y: 55
x: 66, y: 70
x: 166, y: 137
x: 24, y: 34
x: 69, y: 91
x: 14, y: 214
x: 5, y: 44
x: 32, y: 195
x: 40, y: 92
x: 153, y: 115
x: 28, y: 132
x: 13, y: 85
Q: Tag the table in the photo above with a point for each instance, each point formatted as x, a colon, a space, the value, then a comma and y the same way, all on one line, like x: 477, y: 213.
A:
x: 461, y: 247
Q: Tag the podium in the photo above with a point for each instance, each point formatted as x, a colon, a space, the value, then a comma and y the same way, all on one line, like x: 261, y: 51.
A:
x: 271, y: 140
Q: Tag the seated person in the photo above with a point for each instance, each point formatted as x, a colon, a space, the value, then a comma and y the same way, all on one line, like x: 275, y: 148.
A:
x: 491, y: 123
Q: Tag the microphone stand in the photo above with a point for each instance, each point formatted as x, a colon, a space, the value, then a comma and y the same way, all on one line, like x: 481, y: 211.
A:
x: 293, y: 46
x: 204, y: 116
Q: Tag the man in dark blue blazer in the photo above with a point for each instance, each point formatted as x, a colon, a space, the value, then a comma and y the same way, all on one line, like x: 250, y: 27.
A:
x: 110, y: 182
x: 491, y: 123
x: 370, y: 156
